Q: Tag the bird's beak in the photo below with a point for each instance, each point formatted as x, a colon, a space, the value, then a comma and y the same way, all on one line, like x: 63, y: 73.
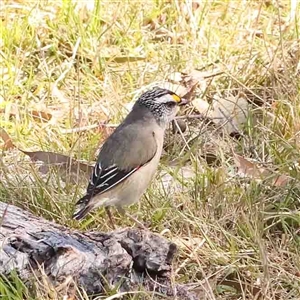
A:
x: 180, y: 101
x: 183, y: 101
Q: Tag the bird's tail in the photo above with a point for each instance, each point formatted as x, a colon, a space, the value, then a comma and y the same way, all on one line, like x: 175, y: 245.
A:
x: 83, y: 207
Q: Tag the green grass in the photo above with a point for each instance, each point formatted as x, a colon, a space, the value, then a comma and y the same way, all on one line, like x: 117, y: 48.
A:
x: 238, y: 237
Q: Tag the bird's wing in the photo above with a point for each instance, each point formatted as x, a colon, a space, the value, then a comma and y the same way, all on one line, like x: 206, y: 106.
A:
x: 124, y: 152
x: 101, y: 181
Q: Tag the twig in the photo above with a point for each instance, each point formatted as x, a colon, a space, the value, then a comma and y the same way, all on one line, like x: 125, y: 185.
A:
x: 198, y: 116
x: 185, y: 262
x: 69, y: 64
x: 88, y: 127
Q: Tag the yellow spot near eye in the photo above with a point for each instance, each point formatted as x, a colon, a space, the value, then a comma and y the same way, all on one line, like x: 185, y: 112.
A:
x: 176, y: 98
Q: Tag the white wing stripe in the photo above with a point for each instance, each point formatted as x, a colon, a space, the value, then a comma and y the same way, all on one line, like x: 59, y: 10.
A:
x: 107, y: 179
x: 109, y: 187
x: 109, y: 172
x: 97, y: 168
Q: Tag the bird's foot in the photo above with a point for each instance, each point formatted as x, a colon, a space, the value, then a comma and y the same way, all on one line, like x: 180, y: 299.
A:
x: 111, y: 219
x: 122, y: 212
x: 136, y: 221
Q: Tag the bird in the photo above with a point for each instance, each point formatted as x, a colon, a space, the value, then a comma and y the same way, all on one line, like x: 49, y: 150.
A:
x: 129, y: 157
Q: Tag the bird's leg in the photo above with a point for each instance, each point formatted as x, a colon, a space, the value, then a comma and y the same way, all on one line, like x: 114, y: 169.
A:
x: 122, y: 212
x: 149, y: 201
x: 110, y: 217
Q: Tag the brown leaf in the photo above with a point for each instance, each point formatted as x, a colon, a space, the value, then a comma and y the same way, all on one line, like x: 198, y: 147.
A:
x: 41, y: 116
x: 191, y: 92
x: 281, y: 180
x: 157, y: 26
x: 195, y: 5
x: 189, y: 8
x: 191, y: 81
x: 124, y: 59
x: 150, y: 24
x: 194, y: 76
x: 8, y: 144
x: 251, y: 169
x: 184, y: 79
x: 64, y: 162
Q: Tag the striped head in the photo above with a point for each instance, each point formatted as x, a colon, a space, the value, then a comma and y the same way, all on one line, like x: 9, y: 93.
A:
x: 162, y: 103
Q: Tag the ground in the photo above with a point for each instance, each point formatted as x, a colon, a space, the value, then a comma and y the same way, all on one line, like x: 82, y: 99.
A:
x: 226, y: 192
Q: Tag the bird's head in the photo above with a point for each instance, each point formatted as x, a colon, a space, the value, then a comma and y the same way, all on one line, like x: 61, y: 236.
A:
x: 164, y: 104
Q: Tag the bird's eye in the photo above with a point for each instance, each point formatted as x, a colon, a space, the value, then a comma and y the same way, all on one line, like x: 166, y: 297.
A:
x: 171, y: 104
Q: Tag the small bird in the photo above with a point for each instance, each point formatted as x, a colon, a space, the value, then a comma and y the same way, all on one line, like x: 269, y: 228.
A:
x: 129, y: 157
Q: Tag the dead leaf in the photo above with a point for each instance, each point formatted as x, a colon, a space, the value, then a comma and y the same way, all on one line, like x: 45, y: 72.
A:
x: 188, y: 243
x: 124, y: 59
x: 60, y: 95
x: 38, y: 111
x: 189, y: 8
x: 281, y: 180
x: 8, y: 144
x: 170, y: 180
x: 230, y: 112
x: 248, y: 168
x: 189, y: 82
x: 175, y: 77
x: 195, y: 5
x: 156, y: 26
x: 63, y: 162
x: 10, y: 110
x: 41, y: 116
x: 179, y: 89
x: 201, y: 105
x: 84, y: 5
x: 68, y: 168
x: 191, y: 92
x: 253, y: 170
x: 193, y: 77
x: 190, y: 78
x: 150, y: 24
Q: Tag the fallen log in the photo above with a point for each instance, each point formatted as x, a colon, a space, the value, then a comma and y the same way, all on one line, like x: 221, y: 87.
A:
x: 125, y: 259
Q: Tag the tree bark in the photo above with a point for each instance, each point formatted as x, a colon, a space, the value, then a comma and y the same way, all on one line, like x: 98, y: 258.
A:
x: 125, y: 259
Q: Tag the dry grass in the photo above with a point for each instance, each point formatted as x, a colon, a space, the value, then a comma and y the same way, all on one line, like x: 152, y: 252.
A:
x: 79, y: 63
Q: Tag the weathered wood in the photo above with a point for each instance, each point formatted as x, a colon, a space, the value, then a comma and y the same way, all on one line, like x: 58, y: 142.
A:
x: 126, y: 258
